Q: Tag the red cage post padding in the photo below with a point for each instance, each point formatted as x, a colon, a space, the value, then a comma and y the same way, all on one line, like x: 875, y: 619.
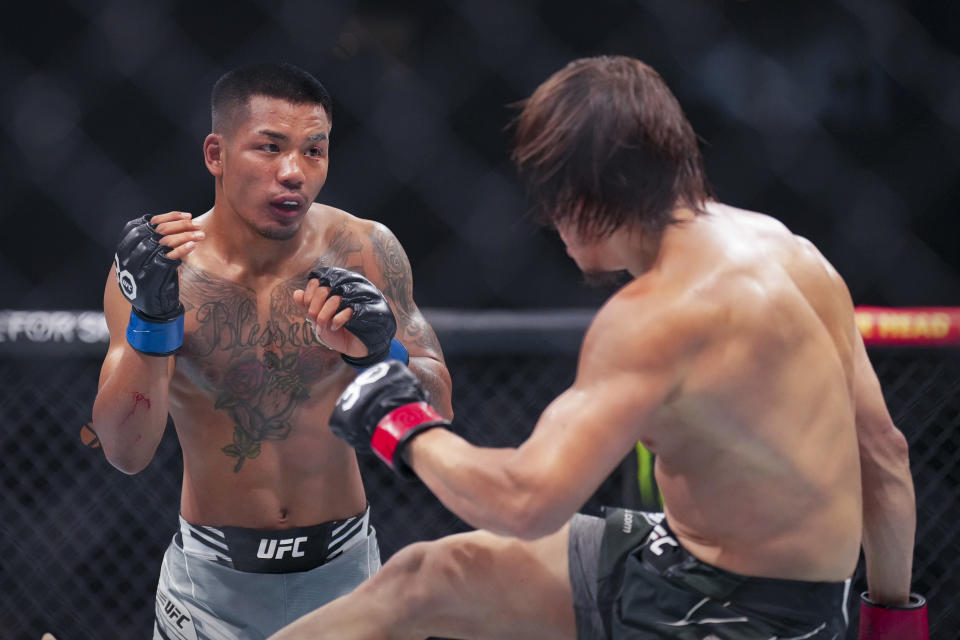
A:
x: 909, y: 326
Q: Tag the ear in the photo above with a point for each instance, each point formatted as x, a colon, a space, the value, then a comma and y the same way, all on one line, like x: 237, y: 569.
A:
x: 213, y: 154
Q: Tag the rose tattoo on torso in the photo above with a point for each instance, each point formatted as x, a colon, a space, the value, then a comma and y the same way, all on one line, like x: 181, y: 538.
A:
x: 258, y: 362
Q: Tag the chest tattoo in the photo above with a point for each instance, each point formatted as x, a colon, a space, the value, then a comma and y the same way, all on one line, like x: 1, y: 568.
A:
x: 258, y: 364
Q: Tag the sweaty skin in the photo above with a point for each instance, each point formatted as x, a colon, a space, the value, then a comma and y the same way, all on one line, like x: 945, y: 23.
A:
x: 731, y: 356
x: 757, y: 456
x: 252, y: 388
x: 734, y: 356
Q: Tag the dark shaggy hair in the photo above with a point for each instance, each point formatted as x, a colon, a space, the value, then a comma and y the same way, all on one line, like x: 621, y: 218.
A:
x: 604, y: 142
x: 233, y: 90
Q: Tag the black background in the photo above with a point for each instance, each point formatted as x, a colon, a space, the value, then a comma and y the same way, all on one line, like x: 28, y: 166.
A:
x: 841, y: 118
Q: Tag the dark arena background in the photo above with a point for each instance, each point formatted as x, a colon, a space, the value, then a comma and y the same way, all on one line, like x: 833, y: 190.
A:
x: 841, y: 118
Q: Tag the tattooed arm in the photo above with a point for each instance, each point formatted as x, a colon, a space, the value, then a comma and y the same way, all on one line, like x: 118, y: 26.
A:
x: 396, y: 281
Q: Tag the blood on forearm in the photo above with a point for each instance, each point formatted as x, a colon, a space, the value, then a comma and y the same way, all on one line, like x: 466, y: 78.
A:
x: 138, y: 400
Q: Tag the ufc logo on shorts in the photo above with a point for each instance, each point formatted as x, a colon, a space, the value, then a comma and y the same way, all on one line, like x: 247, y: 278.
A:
x: 627, y: 522
x: 174, y: 618
x: 270, y: 549
x: 658, y: 538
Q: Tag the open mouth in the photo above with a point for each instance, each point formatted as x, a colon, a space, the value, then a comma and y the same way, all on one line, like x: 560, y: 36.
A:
x: 286, y: 208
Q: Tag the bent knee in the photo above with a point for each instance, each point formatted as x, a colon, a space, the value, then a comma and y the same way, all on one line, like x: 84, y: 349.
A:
x: 428, y: 583
x: 409, y: 582
x: 424, y: 574
x: 404, y: 564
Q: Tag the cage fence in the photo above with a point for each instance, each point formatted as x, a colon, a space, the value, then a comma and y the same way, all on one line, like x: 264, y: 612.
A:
x: 83, y: 541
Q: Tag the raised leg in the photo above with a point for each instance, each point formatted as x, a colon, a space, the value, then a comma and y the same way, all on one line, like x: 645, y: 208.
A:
x: 470, y: 585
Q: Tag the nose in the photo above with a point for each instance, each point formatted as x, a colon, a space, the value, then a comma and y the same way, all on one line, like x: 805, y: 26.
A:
x: 290, y: 173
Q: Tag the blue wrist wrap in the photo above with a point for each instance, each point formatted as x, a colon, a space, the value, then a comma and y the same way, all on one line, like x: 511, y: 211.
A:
x: 397, y: 352
x: 155, y: 338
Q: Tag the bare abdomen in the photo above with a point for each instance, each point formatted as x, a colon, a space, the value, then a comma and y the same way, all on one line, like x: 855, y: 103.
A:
x: 767, y: 525
x: 298, y: 474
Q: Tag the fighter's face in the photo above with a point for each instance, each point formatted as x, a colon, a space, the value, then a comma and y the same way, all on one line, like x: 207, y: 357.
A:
x: 274, y: 163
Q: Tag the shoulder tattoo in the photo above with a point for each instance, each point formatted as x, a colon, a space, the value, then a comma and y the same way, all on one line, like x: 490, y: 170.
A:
x: 398, y: 287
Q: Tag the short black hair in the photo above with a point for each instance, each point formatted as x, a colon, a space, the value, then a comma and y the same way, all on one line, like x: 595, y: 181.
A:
x: 285, y: 81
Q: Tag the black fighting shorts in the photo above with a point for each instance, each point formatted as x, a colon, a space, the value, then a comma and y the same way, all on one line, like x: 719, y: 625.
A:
x: 632, y: 579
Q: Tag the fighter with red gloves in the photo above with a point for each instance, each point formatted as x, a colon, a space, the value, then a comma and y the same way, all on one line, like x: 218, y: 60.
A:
x: 385, y: 408
x: 732, y: 354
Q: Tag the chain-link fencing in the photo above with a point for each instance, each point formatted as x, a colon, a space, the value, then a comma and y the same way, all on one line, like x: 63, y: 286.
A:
x: 83, y: 542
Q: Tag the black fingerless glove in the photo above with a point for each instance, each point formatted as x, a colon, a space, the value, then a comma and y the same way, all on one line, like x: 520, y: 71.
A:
x: 372, y: 321
x: 148, y: 279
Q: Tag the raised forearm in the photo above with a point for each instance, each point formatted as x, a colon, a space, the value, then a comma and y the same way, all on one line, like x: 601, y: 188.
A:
x: 141, y: 304
x: 130, y: 410
x: 509, y: 491
x: 479, y: 484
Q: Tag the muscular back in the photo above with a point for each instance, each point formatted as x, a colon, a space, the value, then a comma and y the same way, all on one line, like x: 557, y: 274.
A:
x: 757, y: 449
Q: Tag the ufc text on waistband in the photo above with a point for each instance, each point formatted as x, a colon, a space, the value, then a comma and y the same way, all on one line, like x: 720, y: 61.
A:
x: 274, y: 550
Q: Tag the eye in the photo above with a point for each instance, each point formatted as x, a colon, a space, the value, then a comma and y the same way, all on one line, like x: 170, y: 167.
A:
x: 316, y: 152
x: 271, y: 147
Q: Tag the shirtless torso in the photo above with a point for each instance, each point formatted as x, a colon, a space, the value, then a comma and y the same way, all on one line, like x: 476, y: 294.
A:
x: 731, y: 358
x: 733, y: 354
x: 218, y: 323
x: 757, y: 450
x: 252, y: 387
